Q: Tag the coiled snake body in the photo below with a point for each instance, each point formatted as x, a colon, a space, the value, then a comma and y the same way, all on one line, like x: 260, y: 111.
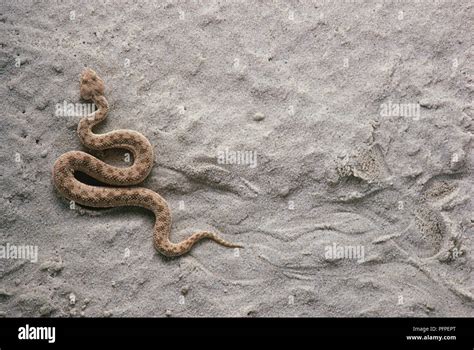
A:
x: 92, y: 88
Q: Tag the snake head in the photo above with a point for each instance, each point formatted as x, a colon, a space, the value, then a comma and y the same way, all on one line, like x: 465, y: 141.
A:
x: 91, y: 84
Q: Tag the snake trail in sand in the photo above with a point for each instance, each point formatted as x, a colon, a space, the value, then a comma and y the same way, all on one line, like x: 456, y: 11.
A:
x: 92, y: 88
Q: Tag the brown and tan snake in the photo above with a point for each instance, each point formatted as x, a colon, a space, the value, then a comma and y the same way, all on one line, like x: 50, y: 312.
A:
x: 92, y: 88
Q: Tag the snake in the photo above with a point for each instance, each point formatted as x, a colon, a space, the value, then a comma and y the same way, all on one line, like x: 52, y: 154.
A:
x: 119, y: 189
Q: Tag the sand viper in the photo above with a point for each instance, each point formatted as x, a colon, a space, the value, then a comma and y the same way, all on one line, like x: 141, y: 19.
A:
x: 92, y: 89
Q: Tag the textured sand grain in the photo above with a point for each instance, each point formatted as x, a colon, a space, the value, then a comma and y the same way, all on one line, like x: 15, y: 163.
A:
x: 299, y: 84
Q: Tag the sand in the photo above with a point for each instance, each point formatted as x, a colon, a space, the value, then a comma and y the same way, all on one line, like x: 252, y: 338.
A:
x: 333, y: 139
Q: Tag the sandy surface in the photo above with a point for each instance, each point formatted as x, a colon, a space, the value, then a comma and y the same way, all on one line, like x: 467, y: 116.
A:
x: 296, y: 128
